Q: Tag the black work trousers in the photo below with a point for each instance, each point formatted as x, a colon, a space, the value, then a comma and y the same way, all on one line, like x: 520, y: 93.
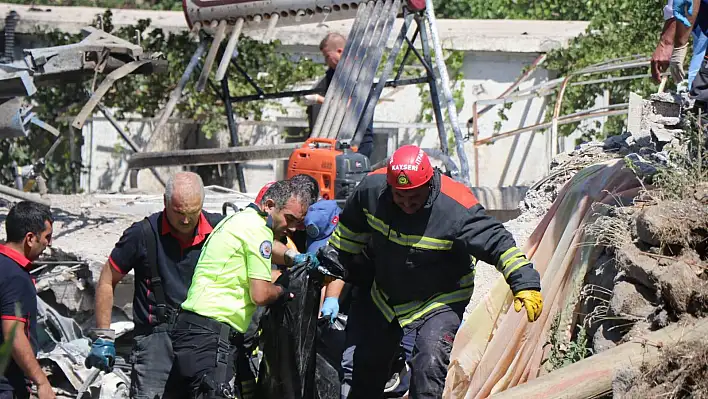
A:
x: 208, y: 355
x: 375, y: 343
x: 152, y: 359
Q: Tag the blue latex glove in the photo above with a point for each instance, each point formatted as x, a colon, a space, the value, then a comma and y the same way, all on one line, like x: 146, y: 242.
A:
x: 306, y: 259
x: 682, y: 9
x: 330, y: 308
x: 102, y: 355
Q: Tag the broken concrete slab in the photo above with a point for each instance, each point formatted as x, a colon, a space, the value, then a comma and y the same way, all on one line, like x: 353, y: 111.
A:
x: 677, y: 284
x: 647, y: 226
x: 638, y: 267
x: 662, y: 135
x: 631, y: 301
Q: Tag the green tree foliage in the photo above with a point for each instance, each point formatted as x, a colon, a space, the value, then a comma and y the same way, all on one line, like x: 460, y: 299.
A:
x: 620, y: 28
x: 174, y: 5
x: 517, y: 9
x: 145, y: 95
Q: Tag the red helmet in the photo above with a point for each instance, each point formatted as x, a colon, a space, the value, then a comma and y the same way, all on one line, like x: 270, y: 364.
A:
x: 408, y: 168
x: 265, y: 188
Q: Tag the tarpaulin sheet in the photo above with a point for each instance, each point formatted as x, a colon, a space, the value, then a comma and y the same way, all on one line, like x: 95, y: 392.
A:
x: 497, y: 348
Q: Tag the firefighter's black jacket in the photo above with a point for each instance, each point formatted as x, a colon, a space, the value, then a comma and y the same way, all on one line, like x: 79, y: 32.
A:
x: 427, y: 259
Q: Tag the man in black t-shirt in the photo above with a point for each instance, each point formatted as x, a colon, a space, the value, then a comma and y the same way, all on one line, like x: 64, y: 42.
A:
x: 29, y: 233
x: 176, y: 236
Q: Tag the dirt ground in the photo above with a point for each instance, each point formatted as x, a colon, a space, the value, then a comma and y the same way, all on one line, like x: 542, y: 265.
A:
x: 681, y: 372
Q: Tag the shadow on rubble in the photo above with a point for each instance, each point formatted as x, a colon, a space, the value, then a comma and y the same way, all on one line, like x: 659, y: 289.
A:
x: 76, y: 221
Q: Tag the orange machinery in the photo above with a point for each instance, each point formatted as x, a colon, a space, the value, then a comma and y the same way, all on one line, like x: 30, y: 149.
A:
x: 336, y: 166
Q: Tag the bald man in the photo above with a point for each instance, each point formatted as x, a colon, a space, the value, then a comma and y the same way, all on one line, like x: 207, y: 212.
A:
x: 332, y: 47
x: 163, y: 250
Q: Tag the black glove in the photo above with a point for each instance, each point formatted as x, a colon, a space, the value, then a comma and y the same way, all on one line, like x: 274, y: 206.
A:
x: 284, y: 283
x: 284, y: 279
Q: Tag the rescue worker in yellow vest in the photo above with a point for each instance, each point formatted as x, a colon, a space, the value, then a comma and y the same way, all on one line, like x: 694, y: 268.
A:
x: 425, y: 233
x: 232, y: 277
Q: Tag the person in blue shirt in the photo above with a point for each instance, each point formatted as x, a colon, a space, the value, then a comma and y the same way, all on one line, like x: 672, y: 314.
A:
x: 682, y: 18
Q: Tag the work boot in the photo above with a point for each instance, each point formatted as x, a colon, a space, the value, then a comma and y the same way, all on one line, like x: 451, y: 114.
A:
x: 396, y: 378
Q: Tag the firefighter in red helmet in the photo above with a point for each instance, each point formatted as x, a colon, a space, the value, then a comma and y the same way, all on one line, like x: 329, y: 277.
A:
x: 423, y: 233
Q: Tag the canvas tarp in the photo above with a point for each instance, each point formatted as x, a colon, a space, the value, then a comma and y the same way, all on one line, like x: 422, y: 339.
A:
x: 497, y: 348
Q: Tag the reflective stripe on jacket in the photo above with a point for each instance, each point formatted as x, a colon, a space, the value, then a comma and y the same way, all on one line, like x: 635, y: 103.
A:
x: 425, y: 262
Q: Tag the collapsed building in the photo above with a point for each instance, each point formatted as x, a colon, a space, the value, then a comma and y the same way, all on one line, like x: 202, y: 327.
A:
x: 645, y: 271
x: 616, y: 264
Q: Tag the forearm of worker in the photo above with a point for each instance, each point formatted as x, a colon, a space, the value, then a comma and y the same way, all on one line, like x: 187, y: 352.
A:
x: 334, y: 289
x: 22, y: 352
x: 104, y: 295
x: 263, y: 292
x: 669, y: 32
x: 278, y: 257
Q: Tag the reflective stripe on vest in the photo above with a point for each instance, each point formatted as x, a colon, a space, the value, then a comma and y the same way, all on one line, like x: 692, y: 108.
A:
x: 407, y: 313
x: 346, y: 240
x: 406, y: 240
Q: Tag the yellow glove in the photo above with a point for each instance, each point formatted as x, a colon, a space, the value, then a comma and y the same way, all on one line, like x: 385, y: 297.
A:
x: 532, y: 301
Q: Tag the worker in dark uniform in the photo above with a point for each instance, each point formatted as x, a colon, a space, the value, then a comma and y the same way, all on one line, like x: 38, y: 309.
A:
x: 29, y: 233
x: 163, y: 250
x: 427, y: 233
x: 332, y: 47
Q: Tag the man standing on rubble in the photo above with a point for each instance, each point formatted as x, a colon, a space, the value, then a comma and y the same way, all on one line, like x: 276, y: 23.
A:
x: 29, y: 233
x: 163, y: 249
x: 232, y: 277
x: 332, y: 47
x: 427, y: 233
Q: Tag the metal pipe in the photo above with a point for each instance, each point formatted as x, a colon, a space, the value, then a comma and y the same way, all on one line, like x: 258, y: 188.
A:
x: 445, y: 83
x: 521, y: 79
x: 408, y: 52
x: 233, y: 131
x: 229, y: 51
x: 300, y: 93
x: 540, y: 126
x: 127, y: 138
x: 211, y: 56
x: 23, y: 195
x: 176, y: 94
x: 270, y: 30
x: 432, y: 82
x: 556, y: 114
x: 475, y: 137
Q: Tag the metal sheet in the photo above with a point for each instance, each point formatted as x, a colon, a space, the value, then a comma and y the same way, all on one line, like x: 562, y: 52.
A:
x: 211, y: 156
